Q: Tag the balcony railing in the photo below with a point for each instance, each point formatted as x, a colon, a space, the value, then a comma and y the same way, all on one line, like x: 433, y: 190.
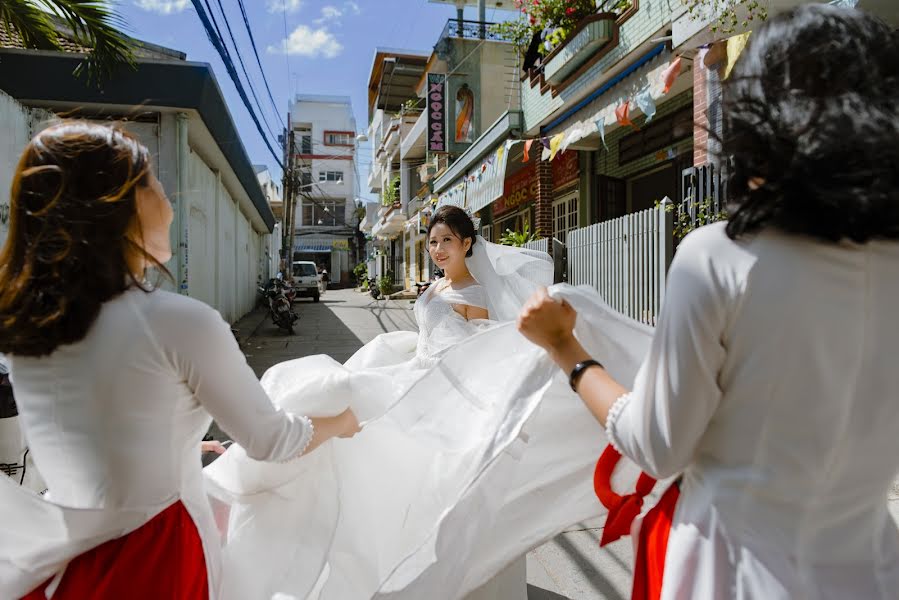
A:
x: 471, y: 30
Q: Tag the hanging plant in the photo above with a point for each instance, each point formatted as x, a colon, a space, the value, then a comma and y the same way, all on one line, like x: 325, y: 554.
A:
x: 731, y: 14
x: 553, y: 20
x: 391, y: 193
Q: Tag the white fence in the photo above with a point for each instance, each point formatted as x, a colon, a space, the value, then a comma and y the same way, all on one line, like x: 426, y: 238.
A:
x: 542, y: 245
x: 626, y: 260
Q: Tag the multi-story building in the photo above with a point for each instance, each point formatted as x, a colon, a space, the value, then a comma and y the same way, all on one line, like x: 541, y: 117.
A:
x: 327, y: 187
x: 272, y: 191
x: 395, y: 117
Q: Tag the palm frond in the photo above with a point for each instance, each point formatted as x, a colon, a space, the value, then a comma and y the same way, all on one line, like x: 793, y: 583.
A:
x: 32, y: 25
x: 95, y: 24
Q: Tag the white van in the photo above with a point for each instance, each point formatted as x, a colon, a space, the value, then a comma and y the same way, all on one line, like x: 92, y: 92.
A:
x: 305, y: 279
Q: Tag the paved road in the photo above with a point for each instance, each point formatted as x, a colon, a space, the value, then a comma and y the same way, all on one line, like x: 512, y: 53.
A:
x: 570, y: 567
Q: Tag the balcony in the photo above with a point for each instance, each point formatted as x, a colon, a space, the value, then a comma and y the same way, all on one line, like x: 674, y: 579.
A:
x: 591, y: 35
x: 470, y: 30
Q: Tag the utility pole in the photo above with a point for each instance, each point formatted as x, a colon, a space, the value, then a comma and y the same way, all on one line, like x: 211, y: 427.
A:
x: 291, y: 166
x: 289, y: 202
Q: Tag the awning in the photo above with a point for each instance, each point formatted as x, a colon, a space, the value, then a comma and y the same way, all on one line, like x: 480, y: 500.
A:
x: 507, y: 126
x: 320, y: 245
x: 454, y: 196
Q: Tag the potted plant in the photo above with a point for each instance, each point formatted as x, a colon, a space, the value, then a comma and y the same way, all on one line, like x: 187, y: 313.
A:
x: 552, y: 20
x: 518, y: 238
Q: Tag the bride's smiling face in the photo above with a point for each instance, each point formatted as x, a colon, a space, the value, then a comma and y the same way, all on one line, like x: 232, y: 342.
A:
x: 447, y: 249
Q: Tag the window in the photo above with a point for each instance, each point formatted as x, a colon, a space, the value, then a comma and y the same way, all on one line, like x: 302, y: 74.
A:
x: 306, y: 144
x: 487, y: 232
x: 330, y: 176
x: 305, y: 177
x: 564, y: 217
x: 323, y: 213
x: 334, y: 138
x: 304, y: 270
x: 656, y: 136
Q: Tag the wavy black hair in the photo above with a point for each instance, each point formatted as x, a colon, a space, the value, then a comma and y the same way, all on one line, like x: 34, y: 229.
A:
x: 458, y: 221
x: 811, y: 111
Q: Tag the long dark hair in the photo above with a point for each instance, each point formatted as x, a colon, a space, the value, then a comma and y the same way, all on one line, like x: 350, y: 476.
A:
x: 72, y: 207
x: 458, y: 221
x: 811, y: 110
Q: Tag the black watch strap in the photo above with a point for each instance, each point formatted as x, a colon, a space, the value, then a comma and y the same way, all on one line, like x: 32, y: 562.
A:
x: 579, y: 370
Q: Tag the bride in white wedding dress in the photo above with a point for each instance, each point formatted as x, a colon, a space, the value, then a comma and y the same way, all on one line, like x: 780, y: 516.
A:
x: 473, y: 448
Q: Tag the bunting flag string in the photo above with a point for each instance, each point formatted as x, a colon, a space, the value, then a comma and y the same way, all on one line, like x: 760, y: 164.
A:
x: 644, y: 98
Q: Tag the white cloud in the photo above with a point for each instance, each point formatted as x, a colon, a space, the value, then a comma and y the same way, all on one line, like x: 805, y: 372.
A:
x: 305, y: 41
x: 353, y: 7
x: 163, y: 7
x: 276, y: 6
x: 330, y: 13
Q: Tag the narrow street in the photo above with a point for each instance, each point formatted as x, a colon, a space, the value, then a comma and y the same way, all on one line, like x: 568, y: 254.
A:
x: 570, y: 567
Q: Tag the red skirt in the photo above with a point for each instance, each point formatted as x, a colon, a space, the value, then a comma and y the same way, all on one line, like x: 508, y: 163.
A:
x: 652, y: 537
x: 161, y: 559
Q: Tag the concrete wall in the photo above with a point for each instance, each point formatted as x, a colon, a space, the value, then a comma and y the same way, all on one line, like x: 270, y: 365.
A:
x: 500, y: 83
x: 19, y: 124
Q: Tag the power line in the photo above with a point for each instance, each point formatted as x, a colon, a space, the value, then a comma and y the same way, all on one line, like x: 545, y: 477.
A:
x: 244, y: 68
x: 271, y: 97
x: 218, y: 44
x: 286, y: 53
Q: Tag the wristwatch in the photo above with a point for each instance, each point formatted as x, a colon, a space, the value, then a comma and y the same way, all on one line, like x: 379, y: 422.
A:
x: 579, y: 370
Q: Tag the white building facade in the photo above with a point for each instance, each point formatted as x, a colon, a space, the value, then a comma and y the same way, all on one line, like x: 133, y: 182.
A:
x: 324, y: 150
x: 221, y: 236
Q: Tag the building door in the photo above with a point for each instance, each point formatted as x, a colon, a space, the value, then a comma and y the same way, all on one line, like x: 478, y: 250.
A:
x: 407, y: 265
x: 650, y: 188
x: 420, y: 261
x: 611, y: 198
x: 565, y: 216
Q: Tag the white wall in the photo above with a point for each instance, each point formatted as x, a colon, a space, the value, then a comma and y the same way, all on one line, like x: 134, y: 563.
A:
x: 225, y: 253
x: 18, y: 124
x: 226, y: 257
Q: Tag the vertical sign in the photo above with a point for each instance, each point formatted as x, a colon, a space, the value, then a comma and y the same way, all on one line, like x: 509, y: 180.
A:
x: 436, y: 112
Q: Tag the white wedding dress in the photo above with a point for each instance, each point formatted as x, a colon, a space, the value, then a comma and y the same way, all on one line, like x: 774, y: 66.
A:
x: 473, y: 451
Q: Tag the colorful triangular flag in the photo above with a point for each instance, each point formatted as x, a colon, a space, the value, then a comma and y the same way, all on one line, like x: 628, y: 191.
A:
x: 670, y: 74
x: 601, y: 128
x: 735, y: 46
x: 622, y: 114
x: 527, y: 150
x: 554, y: 143
x: 646, y: 104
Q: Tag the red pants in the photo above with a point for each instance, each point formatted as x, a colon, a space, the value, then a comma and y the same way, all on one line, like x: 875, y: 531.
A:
x: 161, y: 559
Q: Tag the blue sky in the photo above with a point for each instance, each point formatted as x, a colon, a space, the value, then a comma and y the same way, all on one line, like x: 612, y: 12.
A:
x: 328, y: 48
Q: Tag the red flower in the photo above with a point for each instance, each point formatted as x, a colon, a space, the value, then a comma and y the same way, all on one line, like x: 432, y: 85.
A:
x: 569, y: 10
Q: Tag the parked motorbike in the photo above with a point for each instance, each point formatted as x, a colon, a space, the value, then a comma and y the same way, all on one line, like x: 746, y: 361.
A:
x: 374, y: 289
x: 279, y: 295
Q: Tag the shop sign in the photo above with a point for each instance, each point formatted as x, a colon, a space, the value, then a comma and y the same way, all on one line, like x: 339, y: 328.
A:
x: 320, y: 245
x: 565, y: 169
x: 436, y: 98
x: 519, y: 189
